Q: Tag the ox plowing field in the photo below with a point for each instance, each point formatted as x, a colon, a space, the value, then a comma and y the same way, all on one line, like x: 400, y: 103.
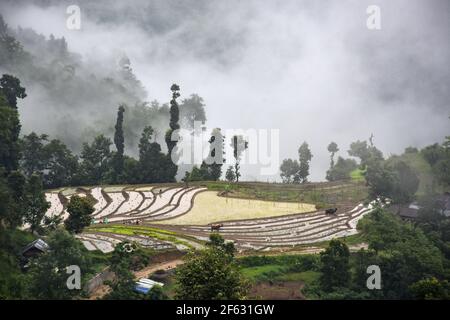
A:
x: 162, y: 217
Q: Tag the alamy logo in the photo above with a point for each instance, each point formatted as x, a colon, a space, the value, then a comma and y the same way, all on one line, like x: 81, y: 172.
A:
x: 374, y: 19
x: 257, y: 147
x: 128, y: 247
x: 74, y: 280
x: 374, y: 280
x: 73, y: 21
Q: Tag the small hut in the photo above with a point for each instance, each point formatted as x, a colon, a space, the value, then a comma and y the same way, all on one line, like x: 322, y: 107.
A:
x: 35, y: 248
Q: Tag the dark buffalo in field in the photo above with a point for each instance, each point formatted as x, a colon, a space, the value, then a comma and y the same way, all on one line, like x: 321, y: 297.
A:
x: 216, y: 227
x: 331, y: 211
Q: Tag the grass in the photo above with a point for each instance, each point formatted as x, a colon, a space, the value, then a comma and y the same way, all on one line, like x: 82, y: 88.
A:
x: 132, y: 229
x: 99, y: 260
x: 114, y: 188
x: 357, y: 175
x: 69, y: 191
x: 307, y: 277
x: 261, y: 273
x: 209, y: 207
x: 349, y: 241
x: 287, y: 268
x: 145, y: 188
x: 322, y: 194
x: 155, y: 233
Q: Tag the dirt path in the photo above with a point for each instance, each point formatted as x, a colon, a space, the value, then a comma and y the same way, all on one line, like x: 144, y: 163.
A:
x: 143, y: 273
x: 165, y: 266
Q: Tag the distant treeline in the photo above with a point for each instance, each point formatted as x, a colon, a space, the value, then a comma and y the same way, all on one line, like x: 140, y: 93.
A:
x: 397, y: 177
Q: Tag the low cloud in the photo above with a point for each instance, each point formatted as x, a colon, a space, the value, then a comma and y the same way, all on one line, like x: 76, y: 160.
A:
x: 312, y: 70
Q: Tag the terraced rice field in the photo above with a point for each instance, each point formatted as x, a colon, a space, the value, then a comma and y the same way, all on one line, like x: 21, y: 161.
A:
x: 189, y: 211
x: 283, y: 231
x: 106, y: 242
x: 126, y: 205
x: 209, y: 208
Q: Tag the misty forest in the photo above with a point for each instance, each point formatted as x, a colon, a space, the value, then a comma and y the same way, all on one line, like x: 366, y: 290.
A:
x: 95, y: 120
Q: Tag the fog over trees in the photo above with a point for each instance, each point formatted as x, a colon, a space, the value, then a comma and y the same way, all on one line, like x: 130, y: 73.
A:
x: 299, y: 58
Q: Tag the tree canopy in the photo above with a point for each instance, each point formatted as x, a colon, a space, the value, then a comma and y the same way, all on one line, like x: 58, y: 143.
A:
x: 80, y: 210
x: 210, y: 274
x: 305, y: 156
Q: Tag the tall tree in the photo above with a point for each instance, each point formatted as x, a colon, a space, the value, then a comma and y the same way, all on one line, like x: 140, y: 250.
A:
x: 332, y: 149
x: 191, y: 110
x: 305, y: 157
x: 80, y: 210
x: 230, y: 175
x: 174, y: 118
x: 9, y: 148
x: 393, y: 179
x: 215, y: 160
x: 432, y: 153
x: 9, y: 122
x: 239, y: 145
x: 359, y: 149
x: 341, y: 170
x: 132, y: 170
x: 16, y: 182
x: 33, y: 153
x: 289, y: 171
x: 152, y: 162
x: 61, y: 165
x: 438, y: 156
x: 366, y: 153
x: 37, y: 205
x: 170, y: 166
x: 5, y: 200
x: 96, y: 158
x: 118, y: 161
x: 11, y: 89
x: 335, y: 266
x: 147, y: 155
x: 406, y: 182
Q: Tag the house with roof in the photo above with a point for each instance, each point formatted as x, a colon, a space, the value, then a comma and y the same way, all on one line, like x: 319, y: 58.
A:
x: 411, y: 212
x: 35, y: 248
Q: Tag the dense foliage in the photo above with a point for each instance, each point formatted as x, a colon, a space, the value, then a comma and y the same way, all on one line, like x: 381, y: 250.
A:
x: 211, y: 167
x: 411, y: 261
x: 47, y: 274
x: 126, y: 258
x: 335, y: 266
x: 80, y: 210
x: 341, y: 170
x: 293, y: 171
x: 211, y: 274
